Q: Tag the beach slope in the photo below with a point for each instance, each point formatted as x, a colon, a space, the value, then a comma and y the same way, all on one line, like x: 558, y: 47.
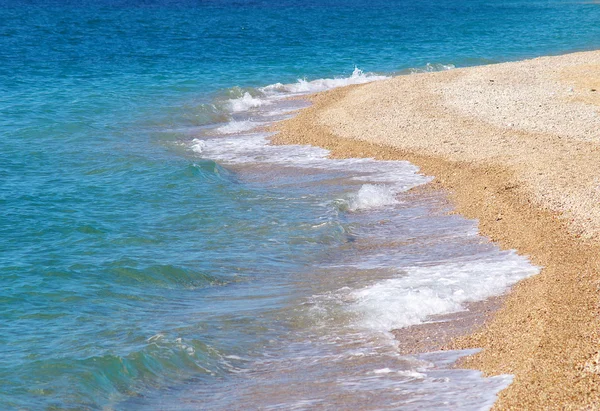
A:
x: 517, y: 146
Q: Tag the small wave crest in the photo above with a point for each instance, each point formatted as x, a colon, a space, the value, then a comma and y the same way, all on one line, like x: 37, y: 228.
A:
x: 439, y: 289
x: 246, y: 102
x: 372, y: 196
x: 241, y: 100
x: 303, y: 86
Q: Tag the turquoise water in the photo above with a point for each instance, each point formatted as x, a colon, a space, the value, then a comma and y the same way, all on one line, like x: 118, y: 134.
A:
x: 146, y: 261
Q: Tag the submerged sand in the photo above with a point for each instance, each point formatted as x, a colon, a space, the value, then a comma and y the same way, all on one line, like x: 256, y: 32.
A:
x: 517, y: 146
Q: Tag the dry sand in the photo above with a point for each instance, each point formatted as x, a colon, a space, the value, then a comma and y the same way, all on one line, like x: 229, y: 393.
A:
x: 517, y: 146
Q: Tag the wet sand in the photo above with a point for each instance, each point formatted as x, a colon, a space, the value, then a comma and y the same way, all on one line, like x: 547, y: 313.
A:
x: 440, y: 330
x: 516, y: 146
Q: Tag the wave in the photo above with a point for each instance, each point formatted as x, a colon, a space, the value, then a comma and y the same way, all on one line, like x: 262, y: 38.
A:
x: 302, y: 86
x: 254, y: 148
x: 115, y: 377
x: 238, y: 100
x: 372, y: 196
x: 246, y: 102
x: 434, y: 290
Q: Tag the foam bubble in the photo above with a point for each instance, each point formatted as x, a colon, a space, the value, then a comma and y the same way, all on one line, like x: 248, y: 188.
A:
x: 198, y: 145
x: 373, y: 196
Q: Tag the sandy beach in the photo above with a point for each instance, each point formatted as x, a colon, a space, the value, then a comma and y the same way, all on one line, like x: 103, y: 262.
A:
x: 517, y: 147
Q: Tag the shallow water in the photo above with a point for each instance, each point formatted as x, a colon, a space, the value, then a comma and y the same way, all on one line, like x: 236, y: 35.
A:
x: 395, y: 259
x: 155, y: 253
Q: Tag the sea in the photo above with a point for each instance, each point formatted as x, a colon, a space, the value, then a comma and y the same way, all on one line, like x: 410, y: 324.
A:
x: 157, y: 253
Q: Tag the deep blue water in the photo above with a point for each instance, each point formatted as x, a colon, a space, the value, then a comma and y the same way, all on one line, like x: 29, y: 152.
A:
x: 130, y: 264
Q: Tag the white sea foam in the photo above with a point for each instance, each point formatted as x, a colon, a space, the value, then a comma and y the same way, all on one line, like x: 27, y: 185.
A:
x: 382, y: 371
x: 372, y: 196
x: 438, y: 289
x: 246, y: 102
x: 254, y: 148
x: 268, y: 95
x: 303, y: 86
x: 412, y: 374
x: 198, y: 145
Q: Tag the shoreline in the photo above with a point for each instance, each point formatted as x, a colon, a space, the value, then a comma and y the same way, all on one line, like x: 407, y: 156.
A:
x: 439, y: 332
x: 516, y: 147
